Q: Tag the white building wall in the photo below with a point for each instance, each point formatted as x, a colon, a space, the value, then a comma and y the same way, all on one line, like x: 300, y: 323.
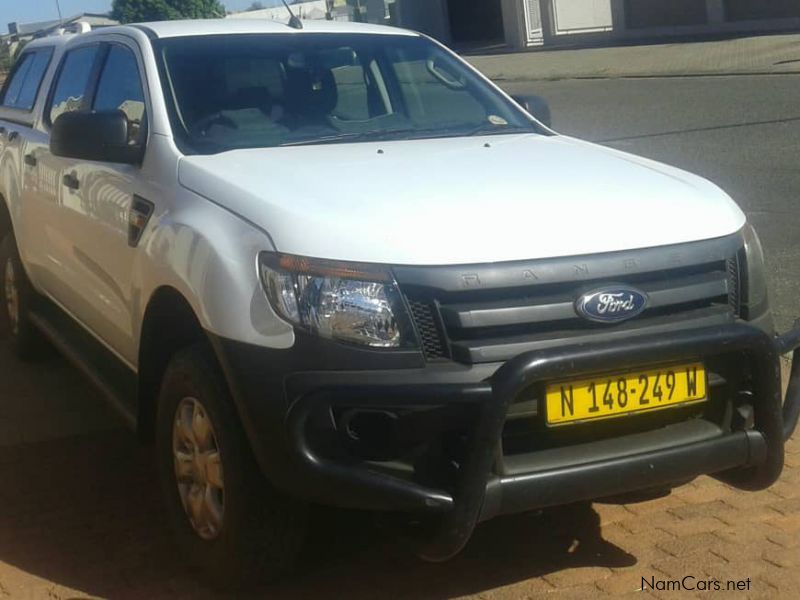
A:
x: 306, y: 10
x: 564, y: 20
x: 581, y: 16
x: 530, y: 23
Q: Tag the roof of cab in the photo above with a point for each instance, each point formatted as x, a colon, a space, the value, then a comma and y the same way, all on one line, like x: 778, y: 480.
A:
x: 172, y: 29
x: 49, y: 41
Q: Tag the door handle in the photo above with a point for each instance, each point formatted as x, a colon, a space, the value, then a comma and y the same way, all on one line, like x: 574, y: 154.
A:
x: 71, y: 181
x: 30, y: 160
x: 13, y: 135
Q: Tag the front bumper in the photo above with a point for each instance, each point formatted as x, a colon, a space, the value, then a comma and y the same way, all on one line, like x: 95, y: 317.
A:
x: 483, y: 484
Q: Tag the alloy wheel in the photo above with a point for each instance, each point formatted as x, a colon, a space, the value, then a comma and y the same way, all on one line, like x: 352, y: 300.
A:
x: 12, y: 296
x: 198, y: 468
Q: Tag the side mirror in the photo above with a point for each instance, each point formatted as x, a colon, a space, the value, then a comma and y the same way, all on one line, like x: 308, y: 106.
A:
x: 537, y: 107
x: 100, y: 136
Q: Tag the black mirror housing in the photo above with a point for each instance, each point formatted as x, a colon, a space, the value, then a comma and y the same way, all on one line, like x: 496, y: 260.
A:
x: 537, y: 107
x: 100, y: 136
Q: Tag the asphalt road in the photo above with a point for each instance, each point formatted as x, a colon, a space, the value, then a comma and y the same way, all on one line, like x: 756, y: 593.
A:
x: 741, y: 132
x: 81, y: 517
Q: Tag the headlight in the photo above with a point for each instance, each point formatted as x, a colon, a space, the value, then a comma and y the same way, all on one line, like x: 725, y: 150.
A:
x: 350, y: 302
x: 756, y: 297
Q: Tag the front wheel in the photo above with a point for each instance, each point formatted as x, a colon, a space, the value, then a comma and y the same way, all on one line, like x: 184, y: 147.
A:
x: 230, y: 523
x: 16, y: 298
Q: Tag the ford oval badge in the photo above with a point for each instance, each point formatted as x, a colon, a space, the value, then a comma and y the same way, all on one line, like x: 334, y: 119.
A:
x: 612, y: 304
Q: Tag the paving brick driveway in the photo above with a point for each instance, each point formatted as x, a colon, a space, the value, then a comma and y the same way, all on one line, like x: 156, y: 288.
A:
x: 80, y: 517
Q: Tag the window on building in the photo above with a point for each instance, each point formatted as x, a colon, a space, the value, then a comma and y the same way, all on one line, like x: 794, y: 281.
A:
x: 747, y: 10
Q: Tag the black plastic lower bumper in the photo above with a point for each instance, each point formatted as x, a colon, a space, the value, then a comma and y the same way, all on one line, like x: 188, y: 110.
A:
x: 790, y: 343
x: 751, y: 458
x: 567, y: 484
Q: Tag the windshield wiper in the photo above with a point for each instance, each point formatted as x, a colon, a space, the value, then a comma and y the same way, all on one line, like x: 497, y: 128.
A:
x: 326, y: 139
x: 376, y: 135
x: 492, y: 129
x: 407, y: 133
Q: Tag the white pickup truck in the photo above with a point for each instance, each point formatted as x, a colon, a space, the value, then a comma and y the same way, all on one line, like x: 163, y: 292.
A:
x: 332, y: 263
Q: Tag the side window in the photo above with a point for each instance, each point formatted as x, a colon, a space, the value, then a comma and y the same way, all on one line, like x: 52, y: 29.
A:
x: 120, y: 88
x: 30, y: 87
x: 27, y: 78
x: 17, y: 79
x: 72, y: 81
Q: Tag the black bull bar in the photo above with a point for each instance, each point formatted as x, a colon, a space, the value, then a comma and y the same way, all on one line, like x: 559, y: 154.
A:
x: 750, y: 459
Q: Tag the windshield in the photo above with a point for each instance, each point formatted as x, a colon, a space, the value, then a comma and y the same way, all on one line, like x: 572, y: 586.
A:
x: 257, y: 91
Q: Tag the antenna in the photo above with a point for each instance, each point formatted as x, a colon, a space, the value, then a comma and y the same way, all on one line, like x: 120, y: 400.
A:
x: 294, y: 22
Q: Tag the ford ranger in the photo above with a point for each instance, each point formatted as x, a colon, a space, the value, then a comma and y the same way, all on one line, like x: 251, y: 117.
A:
x: 330, y: 263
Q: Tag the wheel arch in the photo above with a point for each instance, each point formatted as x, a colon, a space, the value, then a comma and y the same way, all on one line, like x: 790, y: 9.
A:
x: 169, y: 325
x: 5, y: 218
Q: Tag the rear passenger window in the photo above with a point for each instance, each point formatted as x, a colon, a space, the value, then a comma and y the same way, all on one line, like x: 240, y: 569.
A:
x: 120, y: 88
x: 72, y: 81
x: 24, y: 84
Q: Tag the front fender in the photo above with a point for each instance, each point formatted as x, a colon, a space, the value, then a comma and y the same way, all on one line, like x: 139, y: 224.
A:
x: 209, y: 254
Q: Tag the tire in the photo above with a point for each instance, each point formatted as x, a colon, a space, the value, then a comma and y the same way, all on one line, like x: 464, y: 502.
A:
x: 17, y: 296
x: 246, y: 532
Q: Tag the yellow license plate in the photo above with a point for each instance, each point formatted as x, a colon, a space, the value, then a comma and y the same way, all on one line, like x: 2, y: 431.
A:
x: 614, y: 395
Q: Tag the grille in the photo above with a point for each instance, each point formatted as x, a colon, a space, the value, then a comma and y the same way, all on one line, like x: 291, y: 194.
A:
x: 734, y: 286
x: 495, y: 323
x: 429, y: 331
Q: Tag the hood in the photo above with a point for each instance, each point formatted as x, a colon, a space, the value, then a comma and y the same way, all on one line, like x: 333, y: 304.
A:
x: 461, y: 200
